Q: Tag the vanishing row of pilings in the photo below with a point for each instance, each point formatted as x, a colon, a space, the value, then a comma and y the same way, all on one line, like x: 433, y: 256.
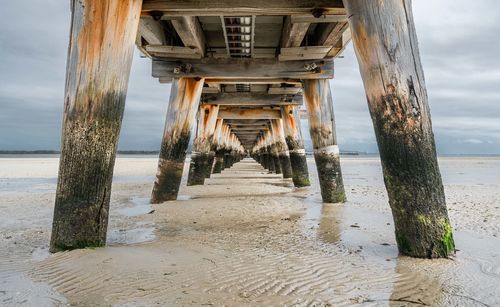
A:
x: 101, y: 46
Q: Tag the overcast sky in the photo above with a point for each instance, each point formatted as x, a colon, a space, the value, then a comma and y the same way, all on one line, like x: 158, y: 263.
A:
x: 459, y: 45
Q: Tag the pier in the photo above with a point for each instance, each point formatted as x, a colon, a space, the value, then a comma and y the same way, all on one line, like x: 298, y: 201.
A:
x: 239, y: 72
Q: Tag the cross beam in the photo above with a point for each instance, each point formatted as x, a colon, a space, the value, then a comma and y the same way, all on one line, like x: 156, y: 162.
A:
x: 242, y: 7
x: 250, y: 99
x: 248, y: 68
x: 238, y: 113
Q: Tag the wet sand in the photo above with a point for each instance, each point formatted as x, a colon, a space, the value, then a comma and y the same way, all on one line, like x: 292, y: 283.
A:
x: 248, y: 238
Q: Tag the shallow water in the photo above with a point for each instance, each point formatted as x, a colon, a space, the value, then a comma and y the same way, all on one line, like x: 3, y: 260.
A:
x: 249, y: 238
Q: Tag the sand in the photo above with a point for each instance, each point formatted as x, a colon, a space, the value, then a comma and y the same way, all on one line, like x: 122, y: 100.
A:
x: 248, y: 238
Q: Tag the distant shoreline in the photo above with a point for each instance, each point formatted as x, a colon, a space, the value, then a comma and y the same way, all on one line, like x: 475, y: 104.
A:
x: 155, y: 152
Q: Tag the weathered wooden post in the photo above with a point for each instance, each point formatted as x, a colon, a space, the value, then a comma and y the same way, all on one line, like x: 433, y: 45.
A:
x: 274, y: 151
x: 221, y: 150
x: 226, y: 147
x: 261, y: 153
x: 270, y: 154
x: 293, y: 138
x: 228, y: 158
x: 216, y: 147
x: 280, y: 143
x: 319, y: 104
x: 213, y: 145
x: 99, y: 59
x: 184, y: 97
x: 386, y: 46
x: 202, y: 145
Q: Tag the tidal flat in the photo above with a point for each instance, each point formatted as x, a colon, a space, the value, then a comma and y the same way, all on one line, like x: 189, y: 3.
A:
x: 248, y: 238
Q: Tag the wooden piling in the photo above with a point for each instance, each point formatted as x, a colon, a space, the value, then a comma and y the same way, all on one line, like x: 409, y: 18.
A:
x: 386, y: 46
x: 184, y: 98
x: 202, y: 146
x: 273, y: 151
x: 295, y: 144
x: 280, y: 143
x: 99, y: 59
x: 216, y: 145
x: 319, y: 104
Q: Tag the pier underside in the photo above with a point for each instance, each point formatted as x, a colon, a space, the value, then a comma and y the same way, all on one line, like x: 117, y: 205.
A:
x: 245, y: 74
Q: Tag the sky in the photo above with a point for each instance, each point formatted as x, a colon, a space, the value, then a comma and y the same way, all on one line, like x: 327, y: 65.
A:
x: 459, y: 45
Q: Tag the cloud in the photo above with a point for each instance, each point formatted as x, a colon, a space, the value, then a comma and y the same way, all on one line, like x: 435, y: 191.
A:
x: 458, y: 43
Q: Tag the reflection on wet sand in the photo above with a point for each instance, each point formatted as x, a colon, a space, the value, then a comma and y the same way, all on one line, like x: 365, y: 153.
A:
x: 330, y: 228
x: 414, y: 288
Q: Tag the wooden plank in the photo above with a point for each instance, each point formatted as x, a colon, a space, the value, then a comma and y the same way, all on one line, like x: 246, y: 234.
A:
x: 247, y: 122
x: 253, y: 81
x: 250, y: 99
x: 303, y: 53
x: 173, y: 52
x: 339, y: 49
x: 284, y: 91
x: 246, y: 133
x: 293, y: 33
x: 247, y: 68
x: 189, y: 30
x: 249, y: 128
x: 322, y: 19
x: 242, y: 7
x: 211, y: 90
x: 332, y: 33
x: 151, y: 30
x: 305, y: 49
x: 238, y: 113
x: 264, y: 53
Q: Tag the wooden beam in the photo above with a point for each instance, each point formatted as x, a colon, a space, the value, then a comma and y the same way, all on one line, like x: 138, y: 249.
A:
x: 254, y: 81
x: 341, y: 45
x: 331, y: 33
x: 240, y: 68
x: 284, y: 90
x: 238, y: 113
x: 248, y: 135
x: 304, y: 53
x: 293, y: 33
x: 253, y: 122
x: 211, y: 89
x: 250, y: 99
x: 322, y: 19
x: 189, y: 30
x: 249, y: 128
x: 173, y: 52
x: 242, y: 7
x: 151, y: 30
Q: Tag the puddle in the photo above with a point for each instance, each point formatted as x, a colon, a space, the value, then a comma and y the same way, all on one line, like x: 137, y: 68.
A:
x: 140, y: 206
x: 18, y: 290
x: 184, y: 197
x: 144, y: 233
x: 28, y: 185
x: 40, y: 254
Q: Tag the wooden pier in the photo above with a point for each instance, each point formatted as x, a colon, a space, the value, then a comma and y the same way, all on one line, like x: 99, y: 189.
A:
x: 240, y: 71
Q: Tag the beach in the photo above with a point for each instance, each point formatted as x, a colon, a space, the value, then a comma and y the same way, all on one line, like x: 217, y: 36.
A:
x: 248, y: 237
